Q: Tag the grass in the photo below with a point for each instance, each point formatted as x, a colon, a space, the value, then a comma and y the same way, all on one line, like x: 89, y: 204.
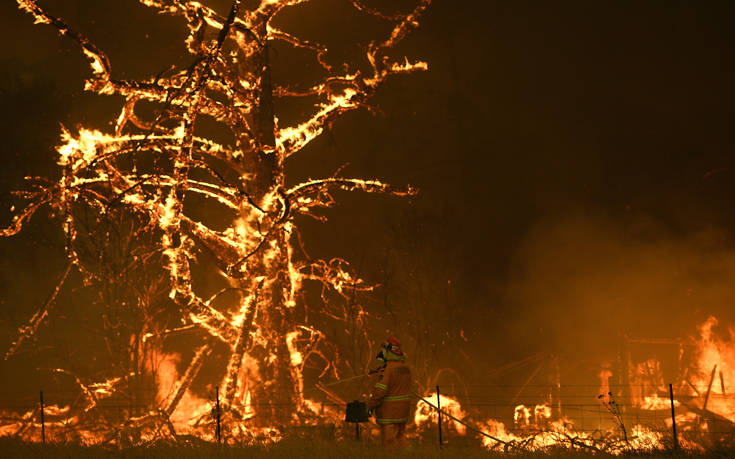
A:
x: 297, y: 448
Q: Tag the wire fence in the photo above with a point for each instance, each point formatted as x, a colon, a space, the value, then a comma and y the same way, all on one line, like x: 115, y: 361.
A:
x: 523, y: 411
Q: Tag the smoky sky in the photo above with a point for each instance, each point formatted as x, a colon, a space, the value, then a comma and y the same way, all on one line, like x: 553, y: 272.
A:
x: 574, y: 161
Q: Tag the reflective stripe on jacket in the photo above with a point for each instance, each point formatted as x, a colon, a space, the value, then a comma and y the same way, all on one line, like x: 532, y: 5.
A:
x: 391, y: 396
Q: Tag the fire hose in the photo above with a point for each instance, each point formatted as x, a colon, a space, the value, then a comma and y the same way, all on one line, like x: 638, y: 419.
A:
x: 454, y: 418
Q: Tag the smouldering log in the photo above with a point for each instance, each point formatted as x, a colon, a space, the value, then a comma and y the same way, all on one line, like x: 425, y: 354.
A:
x: 250, y: 308
x: 191, y: 372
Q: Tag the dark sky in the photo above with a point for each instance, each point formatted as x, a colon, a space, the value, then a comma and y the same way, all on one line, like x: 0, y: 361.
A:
x: 575, y: 161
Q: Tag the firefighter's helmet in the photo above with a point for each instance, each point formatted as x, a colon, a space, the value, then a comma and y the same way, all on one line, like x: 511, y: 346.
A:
x: 393, y: 345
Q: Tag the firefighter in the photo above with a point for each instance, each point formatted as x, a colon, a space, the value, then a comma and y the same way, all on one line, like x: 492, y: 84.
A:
x: 390, y: 400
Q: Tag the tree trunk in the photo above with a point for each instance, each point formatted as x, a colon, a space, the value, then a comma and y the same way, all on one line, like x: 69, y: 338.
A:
x: 275, y: 393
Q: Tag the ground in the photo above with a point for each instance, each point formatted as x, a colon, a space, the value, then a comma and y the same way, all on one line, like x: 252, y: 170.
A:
x: 298, y: 448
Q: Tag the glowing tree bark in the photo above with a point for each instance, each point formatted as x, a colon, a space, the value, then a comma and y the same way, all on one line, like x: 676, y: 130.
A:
x: 152, y: 166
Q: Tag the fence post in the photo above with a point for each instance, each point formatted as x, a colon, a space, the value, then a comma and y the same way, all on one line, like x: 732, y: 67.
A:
x: 722, y: 384
x: 709, y: 388
x: 439, y: 413
x: 43, y: 422
x: 218, y: 432
x: 673, y: 416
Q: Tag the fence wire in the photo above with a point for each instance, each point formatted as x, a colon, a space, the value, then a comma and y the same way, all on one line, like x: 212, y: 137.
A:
x: 523, y: 410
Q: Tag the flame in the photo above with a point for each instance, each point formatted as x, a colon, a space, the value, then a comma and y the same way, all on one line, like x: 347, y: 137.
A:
x: 654, y: 402
x: 706, y: 378
x: 645, y: 439
x: 715, y: 368
x: 189, y: 411
x: 534, y: 429
x: 166, y: 374
x: 604, y: 376
x: 296, y: 138
x: 296, y: 357
x: 522, y: 415
x: 425, y: 415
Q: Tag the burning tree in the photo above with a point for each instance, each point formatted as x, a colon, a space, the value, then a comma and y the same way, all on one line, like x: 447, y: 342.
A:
x: 154, y: 168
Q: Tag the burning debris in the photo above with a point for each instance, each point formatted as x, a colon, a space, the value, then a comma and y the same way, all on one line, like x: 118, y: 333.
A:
x: 699, y: 380
x: 139, y: 183
x: 638, y: 410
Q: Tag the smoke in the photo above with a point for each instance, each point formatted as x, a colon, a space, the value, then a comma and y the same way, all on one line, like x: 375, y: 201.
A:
x: 579, y: 283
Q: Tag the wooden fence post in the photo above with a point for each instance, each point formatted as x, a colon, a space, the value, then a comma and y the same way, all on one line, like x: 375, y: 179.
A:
x: 709, y: 387
x: 673, y: 416
x: 43, y: 422
x: 439, y: 413
x: 218, y: 432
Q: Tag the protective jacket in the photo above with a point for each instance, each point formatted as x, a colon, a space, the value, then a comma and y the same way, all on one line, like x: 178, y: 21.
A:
x: 391, y: 396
